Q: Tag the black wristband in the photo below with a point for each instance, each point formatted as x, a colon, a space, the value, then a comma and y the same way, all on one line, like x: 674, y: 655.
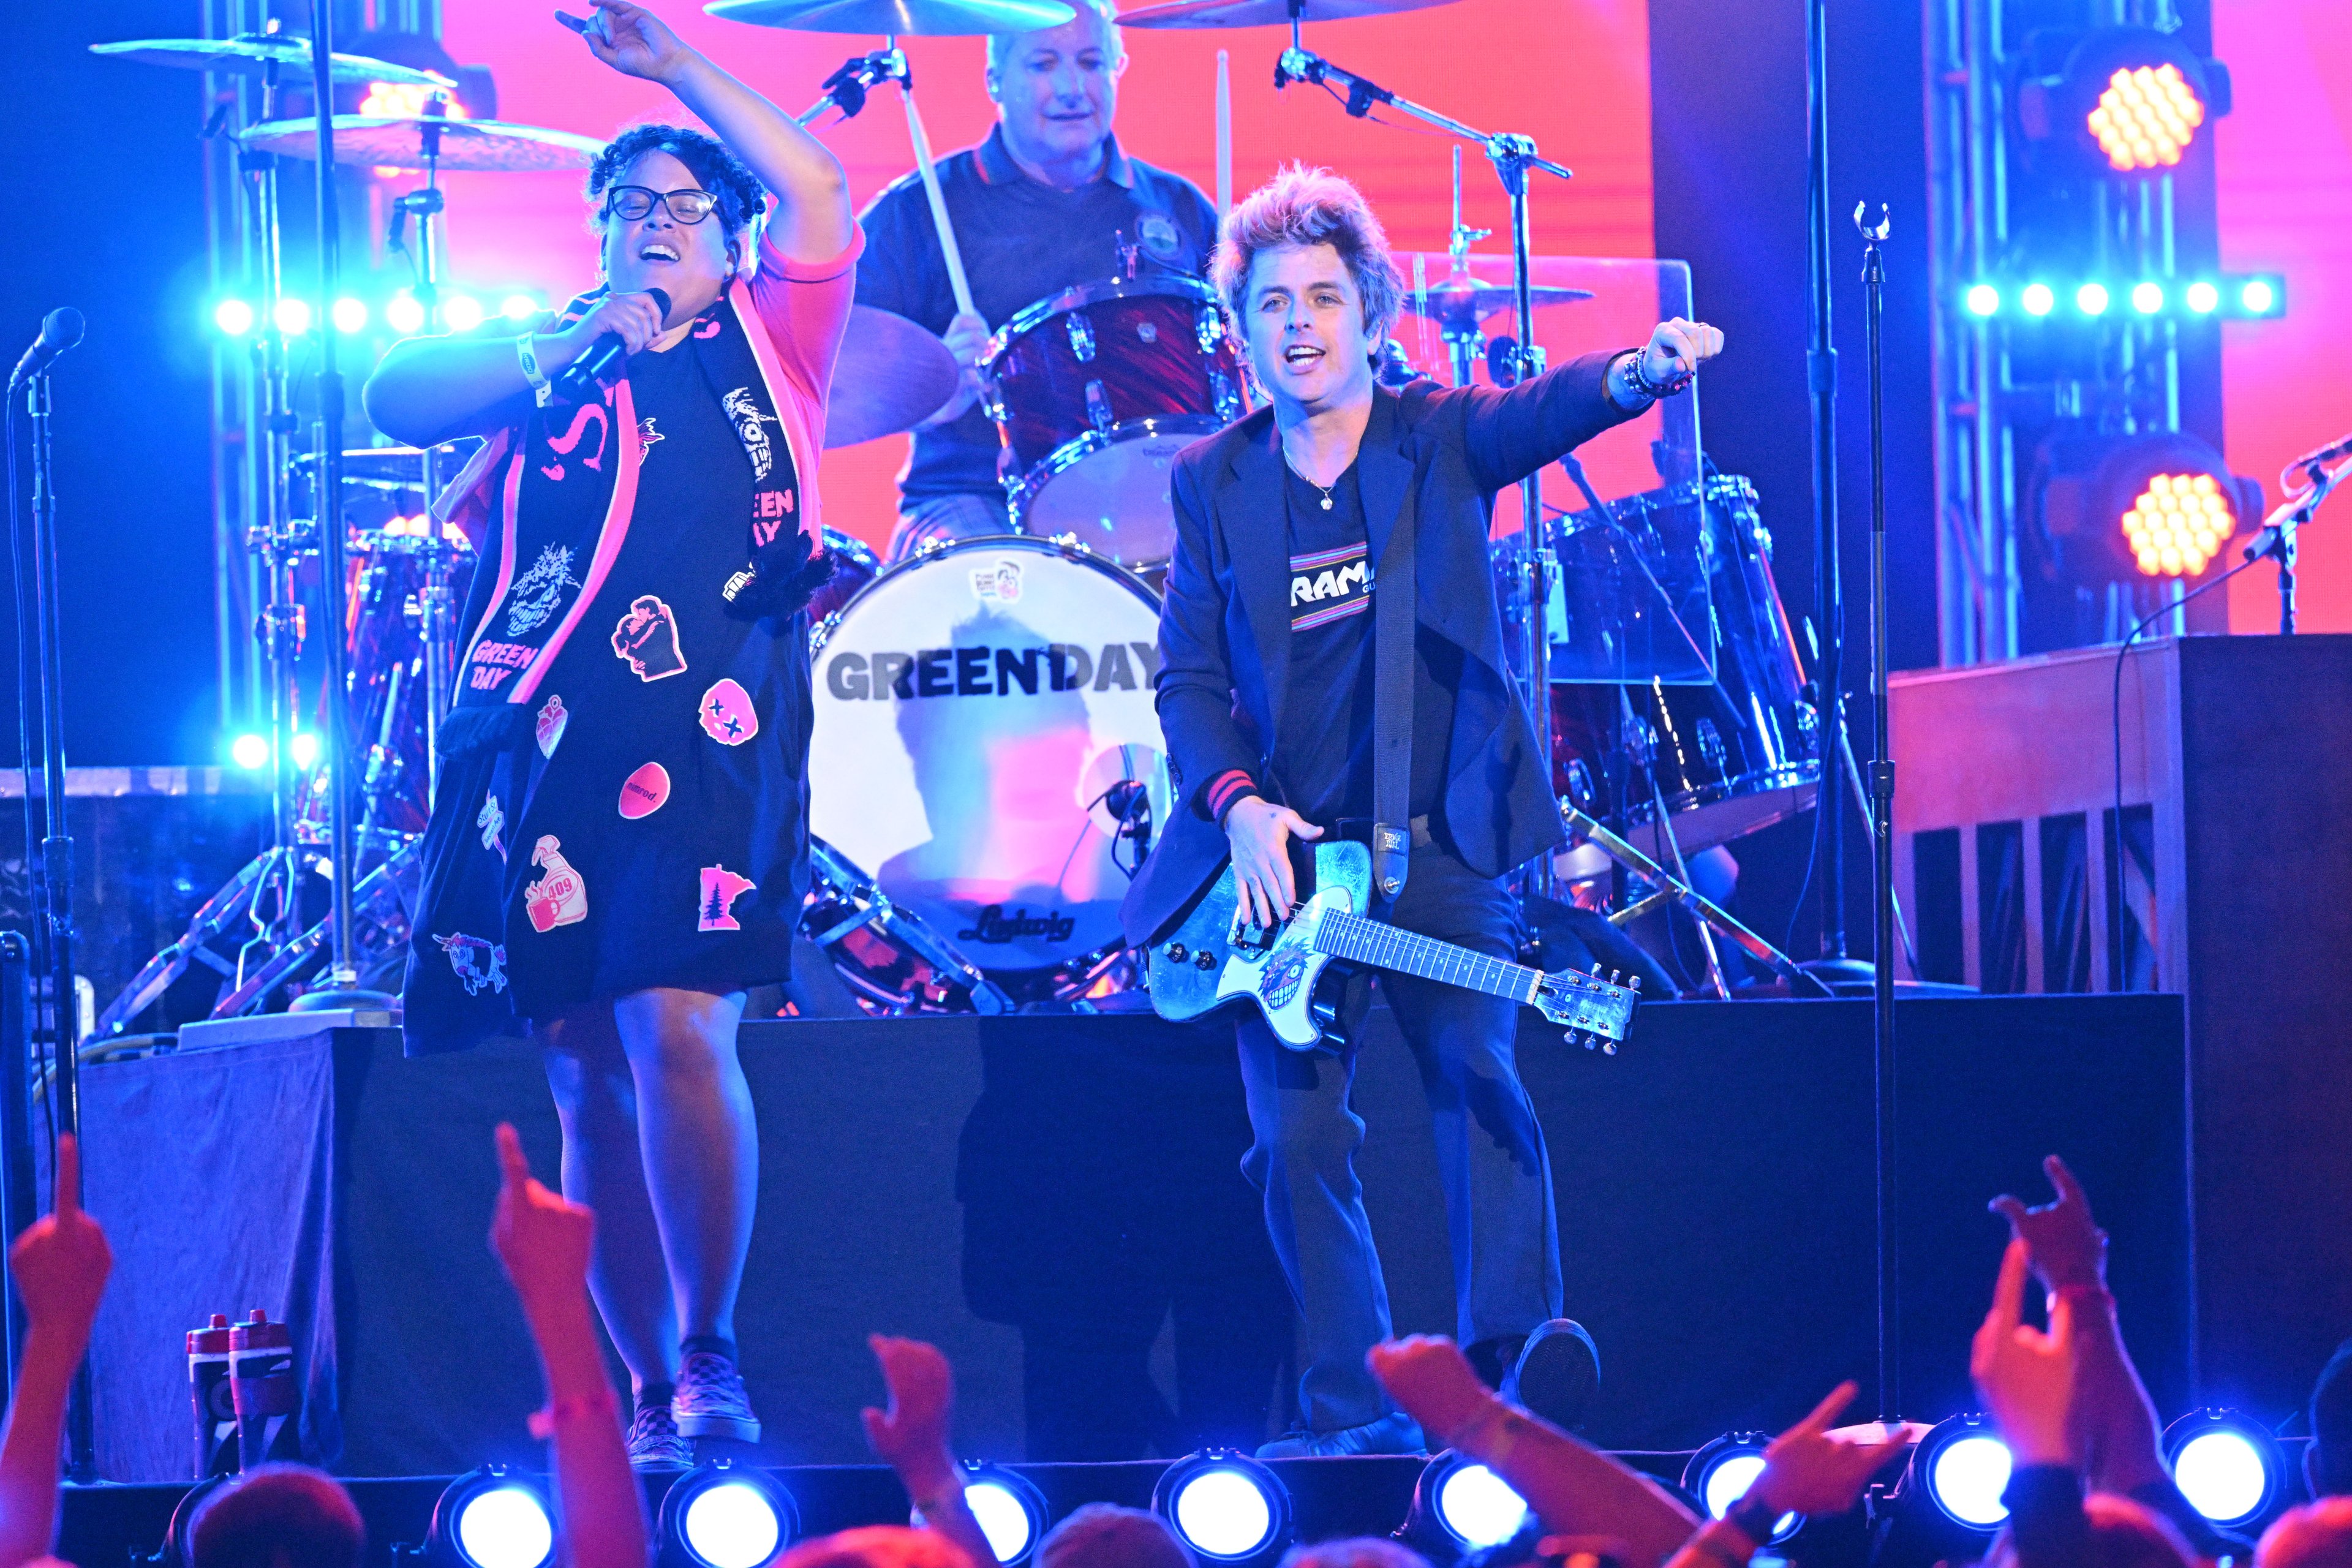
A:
x: 1753, y: 1518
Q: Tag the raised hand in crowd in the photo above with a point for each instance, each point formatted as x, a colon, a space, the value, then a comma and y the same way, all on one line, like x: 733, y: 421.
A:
x: 912, y: 1437
x: 60, y: 1265
x: 2026, y: 1376
x: 544, y: 1240
x: 1810, y: 1470
x: 1573, y: 1488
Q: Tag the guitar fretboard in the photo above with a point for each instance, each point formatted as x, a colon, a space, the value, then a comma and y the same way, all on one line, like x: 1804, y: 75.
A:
x: 1359, y: 940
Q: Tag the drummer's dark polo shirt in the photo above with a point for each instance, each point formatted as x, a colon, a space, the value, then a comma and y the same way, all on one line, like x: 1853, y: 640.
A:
x: 1022, y: 241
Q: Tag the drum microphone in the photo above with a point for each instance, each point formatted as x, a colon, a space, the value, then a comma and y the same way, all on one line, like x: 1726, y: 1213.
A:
x: 61, y: 329
x: 576, y: 382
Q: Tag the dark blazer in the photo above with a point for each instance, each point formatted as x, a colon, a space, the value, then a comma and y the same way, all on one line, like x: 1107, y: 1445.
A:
x: 1224, y: 628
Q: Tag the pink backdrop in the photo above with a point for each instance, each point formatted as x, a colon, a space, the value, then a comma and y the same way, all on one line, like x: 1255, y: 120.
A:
x: 1584, y: 97
x: 2285, y: 169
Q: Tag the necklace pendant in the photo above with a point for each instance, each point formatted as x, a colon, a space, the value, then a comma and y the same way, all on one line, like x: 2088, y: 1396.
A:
x: 1327, y: 503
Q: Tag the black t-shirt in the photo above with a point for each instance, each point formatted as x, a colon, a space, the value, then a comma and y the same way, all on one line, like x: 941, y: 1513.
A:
x: 1323, y: 759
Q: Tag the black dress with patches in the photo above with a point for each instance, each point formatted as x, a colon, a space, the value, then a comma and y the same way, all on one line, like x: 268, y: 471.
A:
x: 653, y: 831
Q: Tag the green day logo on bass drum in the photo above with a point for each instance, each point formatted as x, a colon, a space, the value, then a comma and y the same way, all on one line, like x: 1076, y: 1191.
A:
x: 1279, y: 982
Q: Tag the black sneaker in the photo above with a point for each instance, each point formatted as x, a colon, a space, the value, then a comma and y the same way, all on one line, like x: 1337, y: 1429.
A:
x: 710, y: 1400
x: 654, y: 1443
x: 1557, y: 1374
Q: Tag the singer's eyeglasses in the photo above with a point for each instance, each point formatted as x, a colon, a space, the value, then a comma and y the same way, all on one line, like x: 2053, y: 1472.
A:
x: 634, y: 202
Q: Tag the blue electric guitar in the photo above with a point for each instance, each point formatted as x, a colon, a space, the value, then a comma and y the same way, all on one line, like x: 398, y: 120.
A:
x: 1204, y: 964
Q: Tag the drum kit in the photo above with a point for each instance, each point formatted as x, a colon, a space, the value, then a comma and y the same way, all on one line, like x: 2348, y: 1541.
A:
x: 987, y: 768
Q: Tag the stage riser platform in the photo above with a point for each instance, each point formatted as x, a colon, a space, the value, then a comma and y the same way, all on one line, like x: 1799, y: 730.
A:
x: 924, y: 1176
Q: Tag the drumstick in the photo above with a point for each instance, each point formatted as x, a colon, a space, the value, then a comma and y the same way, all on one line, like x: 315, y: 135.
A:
x: 1224, y: 136
x: 956, y: 280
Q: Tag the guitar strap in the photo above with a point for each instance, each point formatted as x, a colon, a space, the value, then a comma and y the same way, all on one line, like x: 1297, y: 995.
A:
x: 1392, y: 621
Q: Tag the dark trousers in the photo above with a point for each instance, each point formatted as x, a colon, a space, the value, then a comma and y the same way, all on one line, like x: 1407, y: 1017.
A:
x: 1490, y: 1154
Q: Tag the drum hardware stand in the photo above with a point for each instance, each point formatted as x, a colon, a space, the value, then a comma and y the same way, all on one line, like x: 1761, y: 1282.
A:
x: 1881, y: 827
x: 40, y: 696
x: 436, y: 604
x: 845, y: 88
x: 1514, y: 158
x: 342, y: 989
x: 1674, y: 889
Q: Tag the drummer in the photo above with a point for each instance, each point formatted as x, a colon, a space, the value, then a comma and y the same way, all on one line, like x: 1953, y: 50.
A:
x: 1043, y: 203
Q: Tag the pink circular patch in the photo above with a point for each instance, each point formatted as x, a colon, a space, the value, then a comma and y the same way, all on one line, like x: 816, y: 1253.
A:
x: 644, y: 792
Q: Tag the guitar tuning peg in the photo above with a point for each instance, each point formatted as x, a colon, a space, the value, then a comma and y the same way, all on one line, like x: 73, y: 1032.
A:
x: 1610, y: 1049
x: 1569, y: 1037
x: 1612, y: 976
x: 1636, y: 983
x: 1596, y: 967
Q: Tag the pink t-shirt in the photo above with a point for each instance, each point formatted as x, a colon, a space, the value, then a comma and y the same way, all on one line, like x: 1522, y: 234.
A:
x: 805, y: 306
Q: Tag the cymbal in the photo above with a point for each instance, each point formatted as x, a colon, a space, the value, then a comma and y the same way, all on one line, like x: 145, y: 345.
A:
x: 925, y: 18
x: 397, y: 141
x: 393, y: 467
x: 256, y: 53
x: 1263, y: 12
x: 891, y: 374
x: 1459, y: 301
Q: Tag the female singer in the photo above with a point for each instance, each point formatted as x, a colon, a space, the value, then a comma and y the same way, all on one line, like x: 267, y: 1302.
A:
x: 619, y: 846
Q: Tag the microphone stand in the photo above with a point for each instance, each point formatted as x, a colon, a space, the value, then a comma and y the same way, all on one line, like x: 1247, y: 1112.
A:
x: 53, y: 870
x: 1882, y: 834
x: 1514, y: 158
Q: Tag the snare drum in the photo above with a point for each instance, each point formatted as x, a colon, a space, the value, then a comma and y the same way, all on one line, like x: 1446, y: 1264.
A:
x: 978, y: 710
x: 1095, y: 391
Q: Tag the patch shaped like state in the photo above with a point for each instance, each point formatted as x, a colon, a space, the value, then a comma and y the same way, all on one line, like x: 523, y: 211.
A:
x: 720, y: 888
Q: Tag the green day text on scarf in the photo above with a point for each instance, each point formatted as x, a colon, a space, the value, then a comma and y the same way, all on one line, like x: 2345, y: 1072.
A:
x: 557, y: 493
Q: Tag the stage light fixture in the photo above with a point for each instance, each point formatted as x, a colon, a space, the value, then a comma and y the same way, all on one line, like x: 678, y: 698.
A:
x: 2229, y: 1468
x: 293, y: 315
x: 304, y: 749
x: 2256, y: 296
x: 2147, y: 298
x: 2091, y: 298
x: 493, y: 1518
x: 2128, y: 507
x: 1963, y: 1466
x: 1226, y: 1506
x: 350, y: 315
x: 1721, y: 1474
x: 403, y: 315
x: 517, y: 307
x: 2037, y: 299
x: 1467, y: 1506
x: 251, y: 752
x: 1008, y: 1508
x: 719, y: 1517
x: 234, y: 317
x: 463, y: 312
x: 2127, y: 100
x: 1983, y: 299
x: 2202, y: 297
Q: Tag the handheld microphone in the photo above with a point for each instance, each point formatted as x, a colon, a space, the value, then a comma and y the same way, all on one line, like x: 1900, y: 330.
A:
x: 576, y: 382
x: 61, y: 329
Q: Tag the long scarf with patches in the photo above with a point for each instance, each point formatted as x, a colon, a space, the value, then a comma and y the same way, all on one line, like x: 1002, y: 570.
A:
x: 558, y: 492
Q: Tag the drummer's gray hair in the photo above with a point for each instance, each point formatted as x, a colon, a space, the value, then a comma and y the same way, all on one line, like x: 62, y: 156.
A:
x: 1105, y: 11
x: 1307, y: 207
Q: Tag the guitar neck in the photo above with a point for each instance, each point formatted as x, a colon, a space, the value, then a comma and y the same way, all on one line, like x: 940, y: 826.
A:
x: 1360, y: 940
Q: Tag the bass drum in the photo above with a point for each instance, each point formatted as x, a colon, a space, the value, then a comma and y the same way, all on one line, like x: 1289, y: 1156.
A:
x: 985, y: 742
x: 1726, y: 758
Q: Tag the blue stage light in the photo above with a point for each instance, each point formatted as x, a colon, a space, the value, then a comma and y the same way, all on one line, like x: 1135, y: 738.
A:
x: 1983, y: 299
x: 250, y: 753
x: 1478, y: 1507
x: 495, y: 1519
x: 2091, y: 298
x: 403, y: 314
x: 721, y: 1517
x: 1721, y: 1474
x: 2229, y: 1468
x: 1228, y: 1507
x: 2202, y: 297
x: 234, y: 317
x: 1009, y: 1509
x: 350, y: 315
x: 293, y: 315
x: 462, y: 311
x: 2147, y: 298
x: 2037, y: 299
x: 2257, y: 296
x: 1964, y: 1467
